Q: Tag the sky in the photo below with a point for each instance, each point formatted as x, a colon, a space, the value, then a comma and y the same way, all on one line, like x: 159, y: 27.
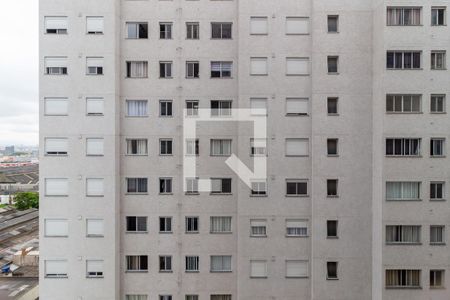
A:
x: 19, y: 60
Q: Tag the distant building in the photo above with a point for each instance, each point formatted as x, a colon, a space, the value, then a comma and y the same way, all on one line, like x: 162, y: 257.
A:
x: 9, y: 150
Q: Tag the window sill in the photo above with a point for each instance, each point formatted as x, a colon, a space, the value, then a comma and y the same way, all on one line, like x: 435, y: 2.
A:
x: 136, y: 232
x: 260, y: 75
x: 438, y: 244
x: 56, y: 277
x: 296, y: 155
x: 136, y: 271
x: 404, y: 200
x: 437, y: 156
x: 95, y: 196
x: 145, y: 77
x: 95, y: 155
x: 297, y: 236
x: 333, y: 114
x: 192, y: 77
x: 404, y: 287
x: 136, y: 194
x: 332, y: 278
x: 258, y: 236
x: 165, y: 77
x: 146, y: 116
x: 191, y: 232
x: 220, y: 155
x: 56, y: 155
x: 165, y: 271
x: 259, y: 196
x: 192, y: 193
x: 258, y: 277
x: 165, y: 194
x: 225, y: 271
x: 445, y: 69
x: 332, y: 196
x: 56, y: 236
x: 56, y: 115
x: 193, y: 271
x: 220, y: 194
x: 333, y: 73
x: 296, y: 75
x: 295, y: 277
x: 94, y: 277
x: 402, y: 244
x: 224, y: 232
x: 94, y: 115
x: 54, y: 196
x: 166, y: 232
x: 296, y: 196
x: 438, y: 200
x: 404, y: 156
x: 404, y: 113
x: 95, y: 236
x: 438, y: 112
x: 136, y: 154
x: 332, y: 237
x: 437, y: 287
x: 332, y: 155
x: 296, y: 115
x: 94, y: 74
x: 166, y: 155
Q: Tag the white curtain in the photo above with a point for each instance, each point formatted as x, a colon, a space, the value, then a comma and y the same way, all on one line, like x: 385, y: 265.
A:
x: 220, y: 147
x: 138, y: 69
x: 137, y: 108
x: 297, y: 227
x: 220, y: 224
x: 56, y: 227
x: 138, y: 146
x: 220, y: 263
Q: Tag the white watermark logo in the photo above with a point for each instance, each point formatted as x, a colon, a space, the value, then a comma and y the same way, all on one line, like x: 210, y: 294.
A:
x: 259, y: 145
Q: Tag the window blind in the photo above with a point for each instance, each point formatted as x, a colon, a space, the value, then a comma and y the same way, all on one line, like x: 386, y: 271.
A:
x: 258, y: 25
x: 94, y: 24
x: 56, y: 106
x: 258, y: 106
x: 296, y: 227
x: 56, y: 146
x: 297, y: 25
x: 297, y: 66
x: 56, y: 186
x: 296, y: 268
x: 94, y: 186
x: 94, y: 61
x: 94, y: 266
x: 297, y: 147
x: 297, y: 106
x: 55, y: 22
x: 56, y: 227
x: 94, y: 227
x: 94, y: 106
x: 258, y: 66
x: 258, y: 268
x: 55, y: 62
x: 56, y: 268
x: 94, y: 146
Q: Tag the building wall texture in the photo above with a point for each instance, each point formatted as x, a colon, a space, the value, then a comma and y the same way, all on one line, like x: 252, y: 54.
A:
x: 361, y: 167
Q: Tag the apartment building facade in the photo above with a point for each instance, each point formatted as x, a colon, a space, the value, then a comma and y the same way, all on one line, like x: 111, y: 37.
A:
x: 353, y: 205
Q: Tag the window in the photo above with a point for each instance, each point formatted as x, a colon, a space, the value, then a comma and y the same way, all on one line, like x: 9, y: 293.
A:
x: 438, y: 16
x: 258, y: 228
x: 332, y: 187
x: 437, y: 104
x: 403, y: 103
x: 297, y: 25
x: 191, y: 297
x: 94, y: 146
x: 136, y: 297
x: 297, y: 147
x: 332, y: 105
x: 220, y: 185
x: 220, y: 297
x: 136, y: 224
x: 403, y: 16
x: 403, y: 190
x: 403, y: 59
x: 297, y: 106
x: 192, y: 69
x: 192, y: 264
x: 56, y: 146
x: 55, y: 65
x: 94, y: 268
x: 258, y: 66
x: 438, y: 60
x: 258, y: 269
x: 165, y: 147
x: 258, y: 147
x: 221, y: 69
x: 437, y: 278
x: 192, y: 186
x: 221, y: 108
x: 56, y: 187
x: 296, y: 228
x: 165, y: 108
x: 403, y: 234
x: 191, y: 224
x: 220, y: 263
x: 94, y: 106
x: 220, y: 147
x: 165, y: 263
x: 297, y: 66
x: 56, y: 25
x: 437, y: 191
x: 94, y: 227
x: 192, y: 147
x: 136, y: 185
x: 137, y: 30
x: 220, y: 225
x: 332, y: 147
x: 94, y: 25
x: 192, y: 108
x: 296, y: 187
x: 437, y: 234
x: 165, y: 69
x: 137, y: 69
x: 258, y: 106
x: 296, y: 268
x: 221, y: 30
x: 165, y: 297
x: 402, y: 278
x: 403, y: 147
x: 333, y: 23
x: 332, y: 63
x: 56, y: 227
x: 332, y: 228
x: 137, y: 146
x: 165, y: 224
x: 259, y: 25
x: 192, y: 31
x: 56, y: 106
x: 259, y: 188
x: 94, y: 187
x: 94, y: 65
x: 165, y: 31
x: 437, y: 147
x: 165, y: 185
x: 137, y: 263
x: 332, y: 270
x: 55, y: 268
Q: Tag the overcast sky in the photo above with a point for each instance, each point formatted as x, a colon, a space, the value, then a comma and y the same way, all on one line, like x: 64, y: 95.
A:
x: 19, y: 99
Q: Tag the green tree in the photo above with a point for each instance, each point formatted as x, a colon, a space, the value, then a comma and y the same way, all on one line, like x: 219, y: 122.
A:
x: 26, y: 200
